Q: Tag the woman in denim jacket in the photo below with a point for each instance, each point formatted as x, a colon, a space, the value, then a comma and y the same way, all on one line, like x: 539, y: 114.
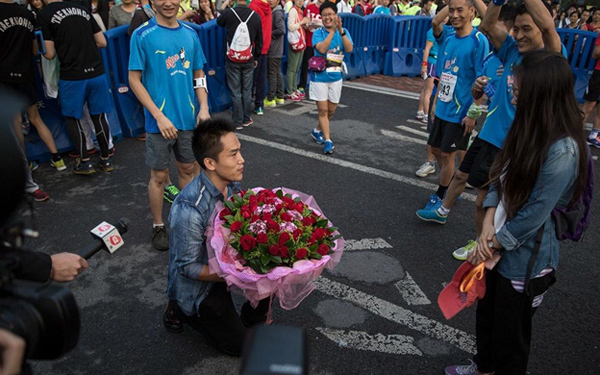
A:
x: 541, y: 166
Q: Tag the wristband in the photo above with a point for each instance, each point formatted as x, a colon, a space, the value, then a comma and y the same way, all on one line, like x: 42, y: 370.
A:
x: 200, y: 83
x: 424, y: 64
x: 498, y: 2
x: 474, y: 111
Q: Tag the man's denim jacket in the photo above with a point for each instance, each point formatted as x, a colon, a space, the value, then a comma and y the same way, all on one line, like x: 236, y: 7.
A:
x: 188, y: 220
x: 554, y: 187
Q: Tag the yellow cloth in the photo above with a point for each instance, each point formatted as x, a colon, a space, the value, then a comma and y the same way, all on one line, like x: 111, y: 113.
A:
x: 412, y: 10
x: 185, y: 5
x: 476, y: 21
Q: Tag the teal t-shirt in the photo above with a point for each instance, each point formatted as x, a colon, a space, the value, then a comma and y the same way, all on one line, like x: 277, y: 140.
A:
x: 334, y: 55
x: 168, y: 58
x: 433, y: 52
x: 459, y: 63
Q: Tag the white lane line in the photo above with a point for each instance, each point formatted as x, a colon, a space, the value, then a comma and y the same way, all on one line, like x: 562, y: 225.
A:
x: 411, y: 293
x: 424, y: 128
x: 414, y: 131
x: 391, y: 344
x: 594, y: 158
x: 404, y: 138
x: 397, y: 314
x: 382, y: 90
x: 347, y: 164
x: 418, y: 122
x: 366, y: 244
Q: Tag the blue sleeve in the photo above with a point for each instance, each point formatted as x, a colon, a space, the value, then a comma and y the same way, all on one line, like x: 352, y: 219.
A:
x: 557, y: 175
x: 507, y: 50
x: 137, y: 58
x: 186, y: 238
x: 317, y: 37
x: 480, y: 54
x: 430, y: 37
x: 440, y: 39
x: 199, y: 58
x: 349, y: 37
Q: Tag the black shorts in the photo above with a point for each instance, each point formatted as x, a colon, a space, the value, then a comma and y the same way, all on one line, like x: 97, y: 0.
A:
x: 478, y: 161
x: 25, y: 90
x: 592, y: 93
x: 448, y: 136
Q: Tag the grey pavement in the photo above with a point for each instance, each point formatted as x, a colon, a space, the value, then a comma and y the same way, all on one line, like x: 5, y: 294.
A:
x: 357, y: 321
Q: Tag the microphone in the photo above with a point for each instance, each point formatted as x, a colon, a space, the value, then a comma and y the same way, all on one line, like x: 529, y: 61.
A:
x: 107, y: 237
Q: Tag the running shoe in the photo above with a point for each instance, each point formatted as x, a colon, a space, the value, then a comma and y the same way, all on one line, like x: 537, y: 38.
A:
x: 293, y: 97
x: 74, y: 154
x: 317, y: 136
x: 432, y: 215
x: 269, y: 103
x: 259, y: 111
x: 462, y: 253
x: 425, y: 119
x: 39, y: 195
x: 248, y: 123
x: 58, y: 164
x: 160, y: 238
x: 83, y: 167
x: 469, y: 186
x: 419, y: 115
x: 33, y: 165
x: 111, y: 151
x: 170, y: 193
x: 106, y: 165
x: 426, y: 169
x: 462, y: 369
x: 594, y: 141
x: 280, y: 100
x: 328, y: 148
x: 434, y: 202
x: 300, y: 93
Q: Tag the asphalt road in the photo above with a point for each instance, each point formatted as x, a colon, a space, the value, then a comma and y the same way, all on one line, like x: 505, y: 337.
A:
x: 376, y: 313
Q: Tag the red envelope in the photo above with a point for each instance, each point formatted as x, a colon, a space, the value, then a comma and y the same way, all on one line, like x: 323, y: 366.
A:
x: 467, y: 285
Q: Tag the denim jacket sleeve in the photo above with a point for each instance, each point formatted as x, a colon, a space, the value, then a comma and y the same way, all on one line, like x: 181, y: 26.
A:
x: 556, y: 177
x: 187, y: 239
x: 491, y: 199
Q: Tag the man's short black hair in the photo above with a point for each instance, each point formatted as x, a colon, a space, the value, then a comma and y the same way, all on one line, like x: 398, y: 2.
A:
x: 327, y: 4
x: 522, y: 9
x: 206, y: 141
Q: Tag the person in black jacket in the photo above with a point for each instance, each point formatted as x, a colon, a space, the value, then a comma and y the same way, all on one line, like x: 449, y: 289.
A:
x: 240, y: 67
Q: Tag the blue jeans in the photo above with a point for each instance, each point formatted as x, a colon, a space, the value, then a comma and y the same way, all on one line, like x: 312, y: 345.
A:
x: 260, y: 81
x: 239, y: 83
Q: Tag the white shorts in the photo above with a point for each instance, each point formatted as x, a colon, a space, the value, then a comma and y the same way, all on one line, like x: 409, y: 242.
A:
x: 322, y: 91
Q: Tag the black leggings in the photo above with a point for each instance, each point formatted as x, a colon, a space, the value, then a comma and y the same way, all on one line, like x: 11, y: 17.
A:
x: 77, y: 135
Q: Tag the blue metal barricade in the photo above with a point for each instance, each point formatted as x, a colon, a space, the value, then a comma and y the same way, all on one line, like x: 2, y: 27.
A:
x: 579, y: 45
x: 407, y: 43
x: 213, y: 41
x: 376, y: 42
x: 354, y: 61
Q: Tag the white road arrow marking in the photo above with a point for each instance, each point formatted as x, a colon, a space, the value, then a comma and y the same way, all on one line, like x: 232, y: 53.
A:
x: 410, y: 291
x: 392, y: 344
x: 401, y: 137
x: 367, y: 244
x: 414, y: 131
x: 397, y: 314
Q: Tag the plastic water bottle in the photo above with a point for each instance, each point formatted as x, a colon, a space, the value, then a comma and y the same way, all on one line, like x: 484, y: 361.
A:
x: 489, y: 90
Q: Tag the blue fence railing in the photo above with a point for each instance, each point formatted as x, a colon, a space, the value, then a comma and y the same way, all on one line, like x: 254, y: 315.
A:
x: 382, y: 44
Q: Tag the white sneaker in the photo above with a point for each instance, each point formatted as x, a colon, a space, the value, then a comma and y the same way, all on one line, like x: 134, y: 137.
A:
x: 425, y: 119
x: 426, y: 169
x: 462, y: 253
x: 420, y: 115
x: 469, y: 186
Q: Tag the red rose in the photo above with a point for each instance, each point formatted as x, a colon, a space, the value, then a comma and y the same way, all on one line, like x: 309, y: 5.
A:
x: 236, y: 226
x: 272, y: 225
x: 262, y: 238
x: 308, y: 221
x: 253, y: 205
x: 299, y: 207
x: 284, y: 237
x: 285, y: 216
x: 255, y: 218
x: 246, y: 214
x: 274, y: 250
x: 248, y: 242
x: 323, y: 249
x: 283, y: 251
x: 224, y: 212
x: 319, y: 233
x: 278, y: 208
x: 328, y: 232
x: 242, y: 193
x: 267, y: 216
x: 297, y: 233
x: 301, y: 253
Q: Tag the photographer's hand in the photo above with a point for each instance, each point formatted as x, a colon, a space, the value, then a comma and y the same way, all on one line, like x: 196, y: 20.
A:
x: 12, y: 349
x: 66, y: 266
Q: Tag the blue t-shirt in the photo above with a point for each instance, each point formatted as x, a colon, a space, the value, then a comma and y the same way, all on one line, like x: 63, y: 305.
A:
x: 433, y: 52
x: 382, y: 10
x: 459, y: 63
x: 501, y: 112
x: 491, y: 64
x: 334, y: 55
x: 168, y: 58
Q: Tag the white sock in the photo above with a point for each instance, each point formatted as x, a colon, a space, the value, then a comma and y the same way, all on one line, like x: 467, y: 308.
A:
x: 158, y: 225
x: 443, y: 210
x: 316, y: 130
x: 328, y: 140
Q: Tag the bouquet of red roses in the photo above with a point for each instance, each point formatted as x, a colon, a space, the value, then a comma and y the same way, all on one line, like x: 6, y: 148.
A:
x: 272, y: 242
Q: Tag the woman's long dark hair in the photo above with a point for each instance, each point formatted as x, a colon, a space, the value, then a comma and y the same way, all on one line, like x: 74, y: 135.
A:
x: 546, y: 111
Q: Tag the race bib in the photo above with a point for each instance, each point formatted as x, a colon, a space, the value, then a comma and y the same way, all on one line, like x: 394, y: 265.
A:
x: 447, y: 86
x: 334, y: 63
